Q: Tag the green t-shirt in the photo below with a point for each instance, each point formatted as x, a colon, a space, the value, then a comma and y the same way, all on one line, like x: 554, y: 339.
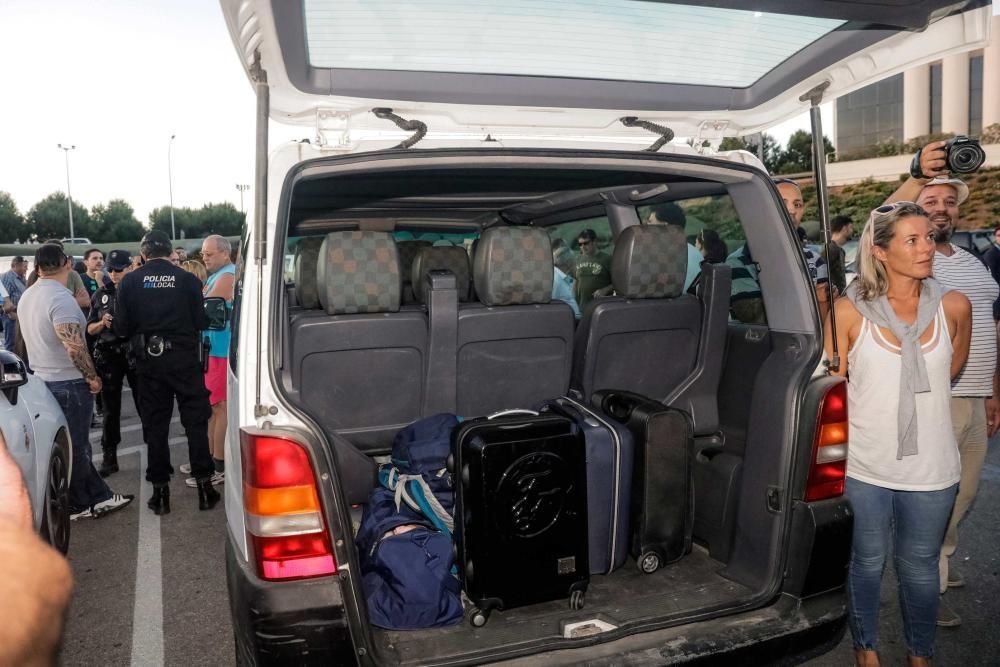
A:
x: 591, y: 274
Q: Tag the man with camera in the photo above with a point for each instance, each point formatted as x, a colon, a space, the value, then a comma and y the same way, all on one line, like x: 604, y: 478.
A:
x: 975, y: 408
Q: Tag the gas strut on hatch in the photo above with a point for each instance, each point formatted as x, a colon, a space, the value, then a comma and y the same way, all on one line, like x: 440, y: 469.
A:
x: 666, y: 134
x: 418, y: 128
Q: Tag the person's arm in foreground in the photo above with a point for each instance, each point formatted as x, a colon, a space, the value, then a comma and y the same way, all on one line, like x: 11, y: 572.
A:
x: 848, y: 321
x: 71, y: 336
x: 933, y: 162
x: 36, y: 584
x: 993, y: 402
x: 958, y: 311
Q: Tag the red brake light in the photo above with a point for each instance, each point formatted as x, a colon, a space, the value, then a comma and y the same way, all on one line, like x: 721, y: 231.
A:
x: 828, y: 468
x: 284, y: 517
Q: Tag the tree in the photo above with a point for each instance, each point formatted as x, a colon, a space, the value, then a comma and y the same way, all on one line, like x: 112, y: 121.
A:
x: 221, y: 219
x: 772, y: 151
x: 159, y: 219
x: 797, y: 157
x: 11, y: 221
x: 115, y: 222
x: 49, y: 219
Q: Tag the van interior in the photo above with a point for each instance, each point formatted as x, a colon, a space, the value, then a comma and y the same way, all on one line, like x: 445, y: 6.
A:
x: 366, y: 351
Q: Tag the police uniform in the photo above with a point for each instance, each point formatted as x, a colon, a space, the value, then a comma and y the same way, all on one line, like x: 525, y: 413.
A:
x: 114, y: 364
x: 160, y: 311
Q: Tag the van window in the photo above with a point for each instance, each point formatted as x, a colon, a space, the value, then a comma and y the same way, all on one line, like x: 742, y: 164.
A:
x: 582, y: 251
x: 718, y: 214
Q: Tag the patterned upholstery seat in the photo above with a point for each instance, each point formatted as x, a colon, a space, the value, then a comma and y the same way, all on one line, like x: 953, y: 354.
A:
x: 441, y: 258
x: 359, y: 366
x: 515, y: 348
x: 621, y: 340
x: 408, y: 251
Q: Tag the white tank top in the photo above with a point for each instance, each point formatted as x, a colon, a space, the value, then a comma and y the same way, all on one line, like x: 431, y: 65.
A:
x: 873, y: 403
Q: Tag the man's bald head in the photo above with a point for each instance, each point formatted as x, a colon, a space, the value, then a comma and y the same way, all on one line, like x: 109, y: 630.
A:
x: 215, y: 252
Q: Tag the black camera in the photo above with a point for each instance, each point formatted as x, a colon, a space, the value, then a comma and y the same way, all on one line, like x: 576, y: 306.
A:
x: 965, y: 155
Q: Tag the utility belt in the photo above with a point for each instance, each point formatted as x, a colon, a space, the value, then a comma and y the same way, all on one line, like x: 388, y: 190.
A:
x: 152, y: 346
x: 119, y: 347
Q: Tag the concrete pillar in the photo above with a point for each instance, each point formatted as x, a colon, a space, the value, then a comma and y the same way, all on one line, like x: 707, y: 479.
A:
x: 955, y: 94
x: 991, y: 76
x: 916, y: 102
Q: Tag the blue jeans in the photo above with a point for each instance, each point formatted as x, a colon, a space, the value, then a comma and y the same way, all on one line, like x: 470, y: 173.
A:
x: 8, y: 333
x: 86, y: 488
x: 915, y: 521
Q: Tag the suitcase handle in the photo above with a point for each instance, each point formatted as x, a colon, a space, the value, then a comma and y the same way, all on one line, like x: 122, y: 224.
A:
x: 513, y: 411
x: 619, y: 406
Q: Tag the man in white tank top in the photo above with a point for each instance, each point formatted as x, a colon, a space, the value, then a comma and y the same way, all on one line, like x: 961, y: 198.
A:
x: 975, y: 408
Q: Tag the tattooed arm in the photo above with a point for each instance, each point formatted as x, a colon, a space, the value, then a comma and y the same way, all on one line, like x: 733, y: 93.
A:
x: 71, y: 336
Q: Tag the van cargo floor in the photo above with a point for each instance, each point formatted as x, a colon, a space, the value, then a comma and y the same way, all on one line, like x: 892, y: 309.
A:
x: 624, y: 597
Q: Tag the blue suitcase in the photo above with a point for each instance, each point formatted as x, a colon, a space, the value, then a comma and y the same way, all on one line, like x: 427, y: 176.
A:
x: 610, y: 453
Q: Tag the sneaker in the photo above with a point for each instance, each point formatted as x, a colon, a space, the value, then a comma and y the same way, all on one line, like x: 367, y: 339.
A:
x: 185, y: 468
x: 947, y: 617
x: 85, y: 513
x: 955, y: 580
x: 116, y: 502
x: 217, y: 479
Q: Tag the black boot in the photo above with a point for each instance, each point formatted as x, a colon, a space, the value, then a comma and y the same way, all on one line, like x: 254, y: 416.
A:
x: 207, y: 495
x: 110, y: 463
x: 160, y: 502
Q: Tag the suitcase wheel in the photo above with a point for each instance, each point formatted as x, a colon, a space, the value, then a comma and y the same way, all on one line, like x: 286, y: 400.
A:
x: 576, y: 600
x: 478, y: 617
x: 649, y: 562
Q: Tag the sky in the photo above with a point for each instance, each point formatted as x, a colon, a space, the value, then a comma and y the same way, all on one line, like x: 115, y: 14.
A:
x: 116, y: 79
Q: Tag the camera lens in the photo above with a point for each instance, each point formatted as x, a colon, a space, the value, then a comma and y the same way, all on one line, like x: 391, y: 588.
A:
x: 966, y: 159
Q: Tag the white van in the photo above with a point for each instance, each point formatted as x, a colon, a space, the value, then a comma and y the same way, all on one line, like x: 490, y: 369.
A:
x: 429, y: 123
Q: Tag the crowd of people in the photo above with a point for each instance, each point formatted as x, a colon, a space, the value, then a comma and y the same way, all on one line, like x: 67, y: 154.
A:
x: 90, y: 329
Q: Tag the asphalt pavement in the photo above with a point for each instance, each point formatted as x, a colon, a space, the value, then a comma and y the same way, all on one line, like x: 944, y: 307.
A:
x: 151, y: 590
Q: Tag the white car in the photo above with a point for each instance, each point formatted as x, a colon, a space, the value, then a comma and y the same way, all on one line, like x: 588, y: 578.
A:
x: 37, y: 436
x: 519, y: 124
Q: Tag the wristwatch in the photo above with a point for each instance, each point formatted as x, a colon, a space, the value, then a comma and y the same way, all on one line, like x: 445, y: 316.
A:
x: 915, y: 170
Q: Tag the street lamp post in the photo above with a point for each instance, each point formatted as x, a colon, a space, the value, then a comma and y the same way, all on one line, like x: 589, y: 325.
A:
x: 242, y: 188
x: 69, y: 197
x: 170, y: 180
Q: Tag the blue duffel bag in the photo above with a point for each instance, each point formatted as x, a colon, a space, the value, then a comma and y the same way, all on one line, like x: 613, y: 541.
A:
x: 418, y: 476
x: 407, y: 577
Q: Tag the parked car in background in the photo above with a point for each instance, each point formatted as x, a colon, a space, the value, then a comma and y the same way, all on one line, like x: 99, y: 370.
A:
x: 77, y: 240
x: 37, y: 436
x: 976, y: 241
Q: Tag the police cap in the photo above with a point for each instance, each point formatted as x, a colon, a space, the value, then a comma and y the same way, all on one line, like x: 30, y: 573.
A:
x: 155, y: 244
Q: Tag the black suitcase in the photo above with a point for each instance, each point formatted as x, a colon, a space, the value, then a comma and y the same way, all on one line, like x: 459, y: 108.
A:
x: 520, y: 511
x: 662, y: 492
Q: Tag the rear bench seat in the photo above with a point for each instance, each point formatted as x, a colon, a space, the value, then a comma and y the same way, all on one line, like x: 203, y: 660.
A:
x: 358, y: 365
x: 515, y: 348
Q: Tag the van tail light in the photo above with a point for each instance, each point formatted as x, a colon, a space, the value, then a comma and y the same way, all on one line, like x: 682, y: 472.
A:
x: 284, y: 518
x: 828, y: 468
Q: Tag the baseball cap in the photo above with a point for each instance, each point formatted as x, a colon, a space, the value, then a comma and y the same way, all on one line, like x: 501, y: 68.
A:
x: 119, y: 259
x: 961, y: 189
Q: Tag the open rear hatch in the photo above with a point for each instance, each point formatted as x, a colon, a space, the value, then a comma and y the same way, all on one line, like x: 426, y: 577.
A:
x: 532, y: 68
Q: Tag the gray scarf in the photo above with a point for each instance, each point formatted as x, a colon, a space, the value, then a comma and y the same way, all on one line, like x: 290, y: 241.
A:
x: 913, y: 371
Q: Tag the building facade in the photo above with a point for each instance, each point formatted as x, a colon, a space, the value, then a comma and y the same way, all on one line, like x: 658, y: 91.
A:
x: 959, y: 94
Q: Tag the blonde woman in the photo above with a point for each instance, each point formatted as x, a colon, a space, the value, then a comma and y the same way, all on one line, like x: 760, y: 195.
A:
x: 906, y: 339
x: 197, y: 268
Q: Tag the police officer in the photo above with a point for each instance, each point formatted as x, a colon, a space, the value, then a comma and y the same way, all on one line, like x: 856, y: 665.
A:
x: 112, y: 358
x: 160, y: 311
